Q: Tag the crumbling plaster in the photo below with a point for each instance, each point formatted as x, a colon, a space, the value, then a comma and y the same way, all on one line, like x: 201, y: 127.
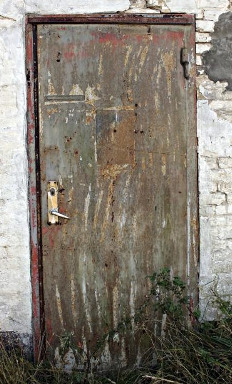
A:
x: 214, y: 138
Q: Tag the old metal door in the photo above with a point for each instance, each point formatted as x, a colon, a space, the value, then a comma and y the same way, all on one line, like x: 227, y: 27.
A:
x: 117, y: 135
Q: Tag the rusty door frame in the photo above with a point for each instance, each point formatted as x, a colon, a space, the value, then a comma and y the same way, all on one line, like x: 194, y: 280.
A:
x: 33, y: 147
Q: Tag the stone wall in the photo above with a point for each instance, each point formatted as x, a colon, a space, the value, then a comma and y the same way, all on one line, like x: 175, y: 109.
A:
x: 214, y: 139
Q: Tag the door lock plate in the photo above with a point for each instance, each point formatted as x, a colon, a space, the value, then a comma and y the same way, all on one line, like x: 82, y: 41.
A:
x: 52, y: 201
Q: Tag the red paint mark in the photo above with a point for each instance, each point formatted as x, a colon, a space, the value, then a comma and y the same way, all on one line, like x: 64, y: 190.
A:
x: 69, y: 52
x: 51, y: 240
x: 171, y: 36
x: 45, y: 230
x: 33, y: 189
x: 112, y: 39
x: 29, y: 48
x: 30, y: 136
x: 33, y: 218
x: 52, y: 232
x: 142, y: 38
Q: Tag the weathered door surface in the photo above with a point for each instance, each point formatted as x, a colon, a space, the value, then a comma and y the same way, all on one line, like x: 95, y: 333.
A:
x: 117, y: 133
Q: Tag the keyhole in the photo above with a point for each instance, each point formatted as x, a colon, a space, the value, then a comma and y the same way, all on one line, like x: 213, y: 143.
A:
x: 52, y: 191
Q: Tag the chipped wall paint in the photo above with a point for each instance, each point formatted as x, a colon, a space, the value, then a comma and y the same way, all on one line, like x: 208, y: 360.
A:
x: 215, y: 149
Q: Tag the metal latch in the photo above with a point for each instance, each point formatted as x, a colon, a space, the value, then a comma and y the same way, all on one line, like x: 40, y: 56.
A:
x: 184, y: 58
x: 53, y: 213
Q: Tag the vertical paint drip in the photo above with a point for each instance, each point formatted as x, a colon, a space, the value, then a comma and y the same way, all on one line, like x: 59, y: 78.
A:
x: 85, y: 300
x: 123, y: 353
x: 59, y: 308
x: 132, y: 303
x: 73, y: 299
x: 115, y: 306
x: 86, y: 208
x: 107, y: 210
x: 97, y: 208
x: 163, y: 159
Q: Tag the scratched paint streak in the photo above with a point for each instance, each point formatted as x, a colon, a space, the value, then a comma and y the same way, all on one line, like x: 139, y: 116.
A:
x: 143, y: 58
x: 97, y: 208
x: 100, y: 66
x: 163, y: 167
x: 123, y: 203
x: 51, y: 89
x: 73, y: 298
x: 134, y: 226
x: 86, y: 304
x: 115, y: 305
x: 70, y: 194
x: 122, y: 221
x: 132, y: 301
x: 59, y: 307
x: 84, y: 343
x: 143, y: 163
x: 98, y: 304
x: 132, y: 67
x: 128, y: 53
x: 169, y: 64
x: 41, y: 127
x: 95, y: 151
x: 138, y: 52
x: 107, y: 209
x: 123, y: 358
x: 86, y: 208
x: 151, y: 159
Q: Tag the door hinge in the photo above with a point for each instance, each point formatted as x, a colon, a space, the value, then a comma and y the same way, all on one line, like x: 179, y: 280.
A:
x: 184, y: 59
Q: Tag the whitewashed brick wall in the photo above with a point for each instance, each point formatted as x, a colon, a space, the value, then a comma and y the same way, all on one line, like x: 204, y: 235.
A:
x: 215, y: 150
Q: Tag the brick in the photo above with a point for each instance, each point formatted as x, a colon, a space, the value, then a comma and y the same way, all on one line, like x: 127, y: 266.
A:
x: 213, y: 199
x: 229, y: 198
x: 203, y: 37
x: 207, y: 211
x: 204, y: 26
x: 138, y: 3
x: 198, y: 60
x: 199, y: 14
x: 212, y: 163
x: 189, y: 6
x: 218, y: 4
x: 225, y: 187
x: 224, y: 266
x: 221, y: 210
x: 200, y: 47
x: 225, y: 162
x: 212, y: 14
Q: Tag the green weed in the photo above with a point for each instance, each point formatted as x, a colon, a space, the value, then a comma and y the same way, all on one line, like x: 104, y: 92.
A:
x: 200, y: 354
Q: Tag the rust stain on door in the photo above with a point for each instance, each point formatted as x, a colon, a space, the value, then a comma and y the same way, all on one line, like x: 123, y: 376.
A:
x: 115, y: 131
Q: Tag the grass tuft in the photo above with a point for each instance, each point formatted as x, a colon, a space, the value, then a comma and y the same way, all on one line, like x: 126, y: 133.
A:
x: 200, y: 354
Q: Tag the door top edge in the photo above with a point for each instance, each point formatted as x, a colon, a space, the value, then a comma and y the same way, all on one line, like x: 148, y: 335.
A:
x: 113, y: 18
